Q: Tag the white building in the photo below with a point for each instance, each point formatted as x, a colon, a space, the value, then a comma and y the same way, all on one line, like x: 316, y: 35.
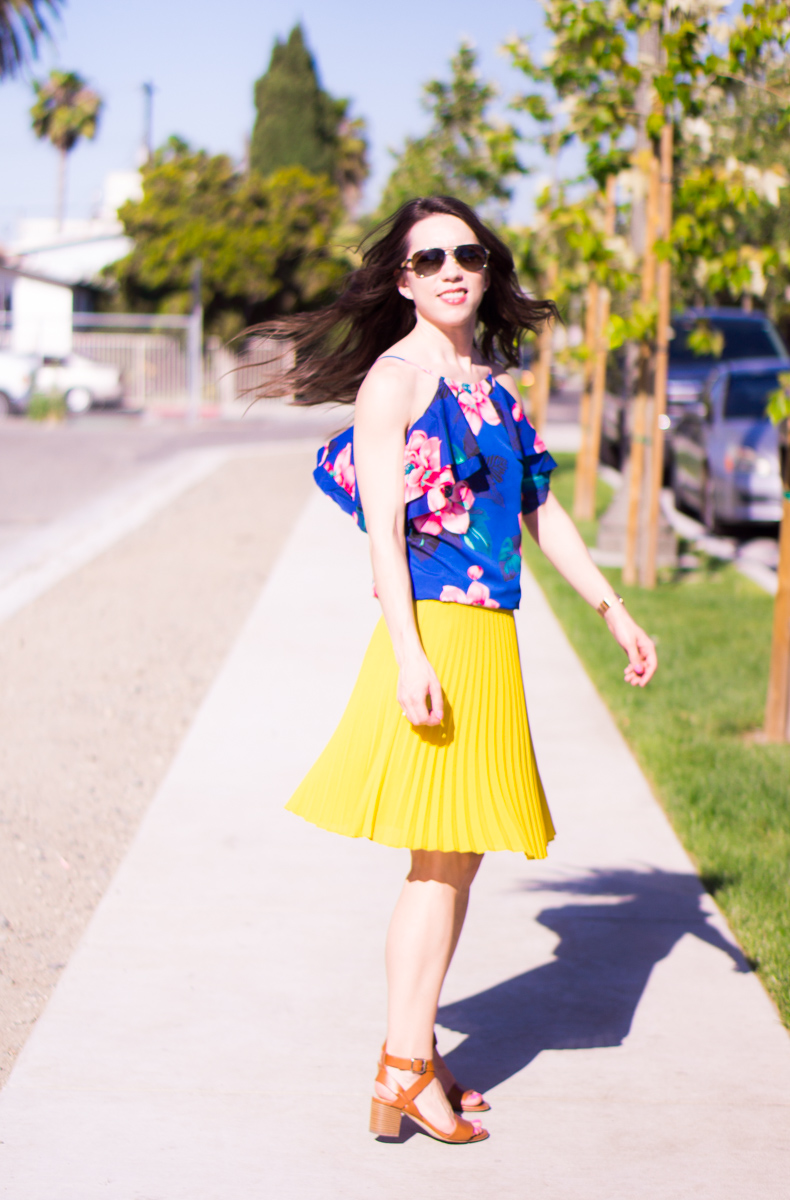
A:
x: 73, y: 254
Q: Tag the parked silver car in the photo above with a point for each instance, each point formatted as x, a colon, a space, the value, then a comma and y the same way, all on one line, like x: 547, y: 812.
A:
x: 743, y: 335
x: 82, y: 382
x: 725, y: 464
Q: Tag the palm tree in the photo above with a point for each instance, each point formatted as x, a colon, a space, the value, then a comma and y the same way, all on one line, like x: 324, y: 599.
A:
x: 66, y: 109
x: 22, y: 24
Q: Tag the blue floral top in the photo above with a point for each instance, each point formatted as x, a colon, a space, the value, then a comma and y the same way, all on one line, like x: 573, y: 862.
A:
x: 472, y: 463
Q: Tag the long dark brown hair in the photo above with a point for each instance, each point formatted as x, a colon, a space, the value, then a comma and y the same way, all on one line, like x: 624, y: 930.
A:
x: 335, y: 347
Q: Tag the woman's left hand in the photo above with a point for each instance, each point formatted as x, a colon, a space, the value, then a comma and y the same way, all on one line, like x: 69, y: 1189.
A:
x: 642, y: 657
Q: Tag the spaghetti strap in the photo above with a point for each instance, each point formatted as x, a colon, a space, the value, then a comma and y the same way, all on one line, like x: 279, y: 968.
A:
x: 410, y: 363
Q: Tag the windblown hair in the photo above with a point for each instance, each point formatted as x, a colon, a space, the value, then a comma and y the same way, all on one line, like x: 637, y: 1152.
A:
x: 335, y: 347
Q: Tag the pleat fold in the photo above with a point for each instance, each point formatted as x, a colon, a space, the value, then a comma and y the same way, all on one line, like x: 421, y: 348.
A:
x: 470, y: 784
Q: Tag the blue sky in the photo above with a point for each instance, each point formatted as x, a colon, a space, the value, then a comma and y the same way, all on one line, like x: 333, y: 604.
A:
x: 204, y: 58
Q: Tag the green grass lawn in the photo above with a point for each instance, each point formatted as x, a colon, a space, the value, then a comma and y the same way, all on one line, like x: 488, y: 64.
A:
x: 727, y: 796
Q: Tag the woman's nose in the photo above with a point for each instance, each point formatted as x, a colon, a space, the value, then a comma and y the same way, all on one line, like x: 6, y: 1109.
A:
x: 451, y: 269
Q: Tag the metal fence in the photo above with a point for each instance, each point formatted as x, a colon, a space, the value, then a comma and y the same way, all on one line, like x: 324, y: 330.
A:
x: 155, y: 369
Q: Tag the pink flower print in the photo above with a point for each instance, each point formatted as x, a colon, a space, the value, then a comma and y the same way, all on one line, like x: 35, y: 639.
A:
x: 540, y: 445
x: 453, y: 595
x: 342, y: 471
x: 449, y: 510
x: 422, y: 466
x: 518, y: 411
x: 477, y: 593
x: 475, y: 403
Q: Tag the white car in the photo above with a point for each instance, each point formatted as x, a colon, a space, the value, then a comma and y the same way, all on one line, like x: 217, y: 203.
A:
x: 17, y: 372
x: 81, y: 381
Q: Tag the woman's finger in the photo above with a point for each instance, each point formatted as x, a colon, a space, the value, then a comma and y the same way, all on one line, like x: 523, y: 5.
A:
x: 416, y: 712
x: 437, y: 702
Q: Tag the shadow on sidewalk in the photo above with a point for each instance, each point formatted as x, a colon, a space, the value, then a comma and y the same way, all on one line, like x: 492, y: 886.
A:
x: 588, y: 994
x: 586, y: 997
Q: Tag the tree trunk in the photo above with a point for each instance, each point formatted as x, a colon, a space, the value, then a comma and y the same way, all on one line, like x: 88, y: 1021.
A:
x: 777, y: 709
x: 541, y: 388
x: 62, y: 156
x: 590, y: 340
x: 639, y: 424
x: 648, y: 574
x: 593, y: 448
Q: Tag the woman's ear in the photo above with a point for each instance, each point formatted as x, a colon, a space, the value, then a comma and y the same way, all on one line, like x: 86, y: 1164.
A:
x: 404, y: 289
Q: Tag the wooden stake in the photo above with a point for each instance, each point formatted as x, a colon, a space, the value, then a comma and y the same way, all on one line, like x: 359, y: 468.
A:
x: 777, y: 709
x: 639, y: 425
x: 541, y: 388
x: 593, y: 448
x: 648, y: 579
x: 590, y: 340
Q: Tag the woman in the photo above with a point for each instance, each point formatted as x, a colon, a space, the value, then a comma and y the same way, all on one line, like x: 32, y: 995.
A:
x: 434, y: 750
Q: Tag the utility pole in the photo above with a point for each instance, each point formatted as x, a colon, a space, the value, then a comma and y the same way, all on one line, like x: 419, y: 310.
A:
x: 195, y: 346
x: 148, y: 122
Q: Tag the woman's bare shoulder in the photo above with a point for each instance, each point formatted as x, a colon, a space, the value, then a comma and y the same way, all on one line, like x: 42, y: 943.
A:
x: 387, y: 393
x: 505, y: 380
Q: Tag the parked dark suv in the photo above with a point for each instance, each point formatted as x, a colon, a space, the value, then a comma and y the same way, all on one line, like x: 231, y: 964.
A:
x: 746, y: 335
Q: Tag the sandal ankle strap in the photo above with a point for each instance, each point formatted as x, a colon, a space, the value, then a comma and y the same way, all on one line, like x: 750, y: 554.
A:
x: 419, y: 1066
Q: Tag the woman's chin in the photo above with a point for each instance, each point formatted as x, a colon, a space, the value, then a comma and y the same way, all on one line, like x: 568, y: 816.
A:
x: 450, y: 315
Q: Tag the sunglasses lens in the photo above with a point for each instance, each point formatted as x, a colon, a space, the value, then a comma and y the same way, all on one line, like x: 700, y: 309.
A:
x: 471, y: 257
x: 427, y: 262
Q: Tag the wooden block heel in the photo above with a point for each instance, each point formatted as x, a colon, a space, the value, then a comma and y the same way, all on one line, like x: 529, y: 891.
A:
x: 384, y: 1119
x: 385, y: 1115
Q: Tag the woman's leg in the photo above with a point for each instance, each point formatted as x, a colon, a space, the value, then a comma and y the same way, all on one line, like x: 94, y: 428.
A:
x: 423, y: 934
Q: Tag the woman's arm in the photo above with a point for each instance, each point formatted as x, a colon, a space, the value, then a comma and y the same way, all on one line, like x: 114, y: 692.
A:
x: 559, y: 539
x: 380, y: 423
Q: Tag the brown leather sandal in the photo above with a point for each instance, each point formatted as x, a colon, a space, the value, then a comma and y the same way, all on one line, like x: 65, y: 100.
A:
x: 386, y: 1115
x: 462, y: 1101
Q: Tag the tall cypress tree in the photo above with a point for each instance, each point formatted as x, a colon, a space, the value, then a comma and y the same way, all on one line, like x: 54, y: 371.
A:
x: 297, y: 122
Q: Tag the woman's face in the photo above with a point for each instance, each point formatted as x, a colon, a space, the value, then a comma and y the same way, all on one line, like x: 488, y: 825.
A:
x: 452, y: 296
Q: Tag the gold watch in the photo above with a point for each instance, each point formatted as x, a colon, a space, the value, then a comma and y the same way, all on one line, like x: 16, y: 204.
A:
x: 606, y: 604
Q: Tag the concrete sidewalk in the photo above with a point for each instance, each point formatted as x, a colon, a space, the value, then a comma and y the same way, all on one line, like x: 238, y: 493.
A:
x: 214, y: 1036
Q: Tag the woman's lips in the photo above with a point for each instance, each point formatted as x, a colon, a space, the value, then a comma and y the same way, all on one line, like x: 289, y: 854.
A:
x: 456, y: 296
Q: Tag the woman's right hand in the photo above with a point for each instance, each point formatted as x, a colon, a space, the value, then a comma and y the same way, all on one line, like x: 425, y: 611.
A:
x: 417, y: 683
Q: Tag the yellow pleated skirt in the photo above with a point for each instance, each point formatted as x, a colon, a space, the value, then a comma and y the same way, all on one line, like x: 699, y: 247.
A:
x: 469, y: 784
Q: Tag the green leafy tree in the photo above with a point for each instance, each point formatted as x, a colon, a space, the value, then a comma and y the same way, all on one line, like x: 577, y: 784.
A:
x: 22, y: 25
x: 587, y: 86
x: 299, y: 124
x: 65, y: 110
x: 731, y: 234
x: 464, y: 153
x: 265, y: 242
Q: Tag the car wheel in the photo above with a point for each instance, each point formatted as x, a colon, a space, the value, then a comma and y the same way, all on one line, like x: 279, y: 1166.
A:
x: 6, y: 407
x: 78, y: 400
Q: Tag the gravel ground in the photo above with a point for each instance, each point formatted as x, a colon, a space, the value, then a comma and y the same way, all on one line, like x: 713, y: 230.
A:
x: 99, y: 680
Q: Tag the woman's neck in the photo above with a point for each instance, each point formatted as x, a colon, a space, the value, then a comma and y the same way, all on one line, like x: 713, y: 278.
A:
x: 449, y: 352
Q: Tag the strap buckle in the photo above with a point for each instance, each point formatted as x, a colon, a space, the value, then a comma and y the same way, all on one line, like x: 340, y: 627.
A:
x: 423, y: 1066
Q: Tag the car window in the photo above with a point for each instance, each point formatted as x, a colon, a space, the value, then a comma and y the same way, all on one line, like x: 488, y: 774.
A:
x: 748, y: 395
x: 742, y: 339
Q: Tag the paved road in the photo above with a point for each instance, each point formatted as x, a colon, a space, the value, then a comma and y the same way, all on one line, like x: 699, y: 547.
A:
x: 49, y: 471
x: 214, y: 1035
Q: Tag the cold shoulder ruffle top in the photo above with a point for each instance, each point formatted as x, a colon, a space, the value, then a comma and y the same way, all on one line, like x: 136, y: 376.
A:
x: 472, y: 462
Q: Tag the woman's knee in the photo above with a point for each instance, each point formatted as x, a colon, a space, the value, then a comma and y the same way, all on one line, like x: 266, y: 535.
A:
x: 451, y: 867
